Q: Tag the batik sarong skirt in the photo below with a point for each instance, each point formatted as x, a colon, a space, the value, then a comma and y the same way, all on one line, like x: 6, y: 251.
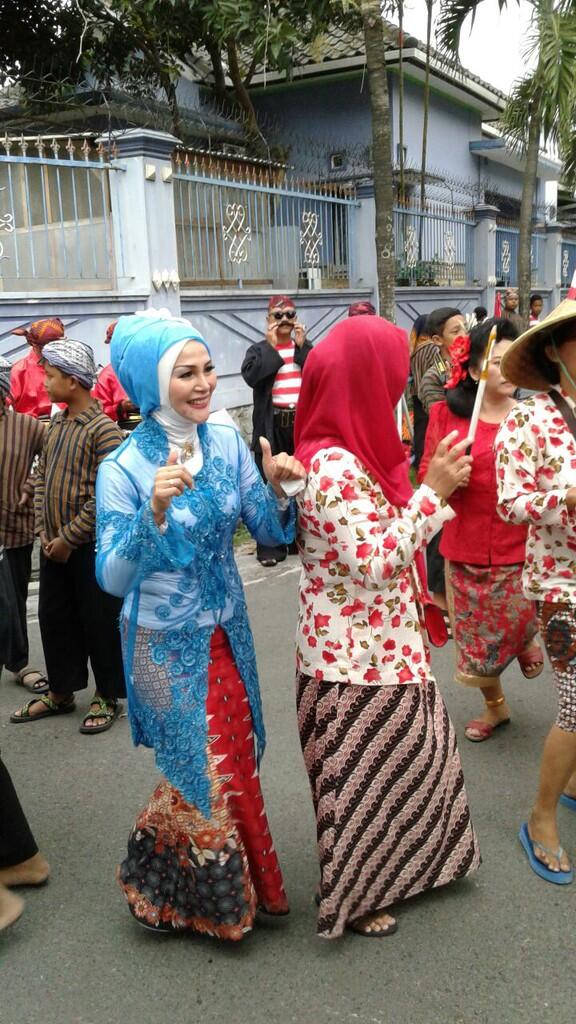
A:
x: 492, y: 621
x: 391, y: 808
x: 210, y: 875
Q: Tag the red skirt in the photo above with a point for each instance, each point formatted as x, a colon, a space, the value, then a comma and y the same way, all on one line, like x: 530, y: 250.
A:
x: 210, y: 875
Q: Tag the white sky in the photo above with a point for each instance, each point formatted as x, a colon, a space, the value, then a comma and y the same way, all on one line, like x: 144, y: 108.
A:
x: 494, y: 48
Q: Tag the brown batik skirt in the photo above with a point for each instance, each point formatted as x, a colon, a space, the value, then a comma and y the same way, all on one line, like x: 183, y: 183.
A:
x: 391, y: 808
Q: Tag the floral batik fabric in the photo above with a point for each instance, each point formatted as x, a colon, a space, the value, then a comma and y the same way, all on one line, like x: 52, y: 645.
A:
x: 358, y: 618
x: 558, y: 628
x: 535, y: 468
x: 492, y: 621
x: 206, y: 873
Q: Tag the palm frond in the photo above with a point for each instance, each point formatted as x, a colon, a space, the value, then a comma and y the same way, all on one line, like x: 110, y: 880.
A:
x: 556, y: 78
x: 453, y: 14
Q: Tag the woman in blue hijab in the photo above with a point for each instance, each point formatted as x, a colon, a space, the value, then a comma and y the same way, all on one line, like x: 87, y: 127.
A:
x: 200, y: 856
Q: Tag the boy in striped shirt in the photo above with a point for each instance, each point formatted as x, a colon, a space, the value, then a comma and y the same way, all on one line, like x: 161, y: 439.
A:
x: 78, y: 621
x: 273, y: 369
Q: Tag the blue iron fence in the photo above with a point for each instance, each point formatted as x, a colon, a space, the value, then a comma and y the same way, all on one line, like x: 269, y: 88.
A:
x: 506, y: 270
x: 55, y: 222
x: 434, y: 246
x: 568, y: 261
x: 243, y: 224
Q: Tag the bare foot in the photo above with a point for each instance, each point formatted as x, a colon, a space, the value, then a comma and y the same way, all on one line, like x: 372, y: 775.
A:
x: 34, y: 871
x: 11, y: 907
x: 545, y: 832
x: 375, y: 924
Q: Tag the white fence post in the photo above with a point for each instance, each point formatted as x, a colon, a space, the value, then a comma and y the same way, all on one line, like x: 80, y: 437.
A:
x: 143, y: 217
x: 485, y: 253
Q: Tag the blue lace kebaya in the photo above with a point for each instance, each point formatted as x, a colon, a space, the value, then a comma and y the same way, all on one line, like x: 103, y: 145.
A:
x: 178, y: 586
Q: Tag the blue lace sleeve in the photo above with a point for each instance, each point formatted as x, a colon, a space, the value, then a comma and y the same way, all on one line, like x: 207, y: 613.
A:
x: 129, y: 545
x: 260, y: 511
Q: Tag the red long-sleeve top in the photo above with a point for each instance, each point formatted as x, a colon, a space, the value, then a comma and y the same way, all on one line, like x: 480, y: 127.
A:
x: 109, y: 392
x: 27, y: 389
x: 477, y: 536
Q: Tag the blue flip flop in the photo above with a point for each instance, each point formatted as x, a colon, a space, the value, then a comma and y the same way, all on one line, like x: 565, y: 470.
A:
x: 557, y: 877
x: 568, y: 801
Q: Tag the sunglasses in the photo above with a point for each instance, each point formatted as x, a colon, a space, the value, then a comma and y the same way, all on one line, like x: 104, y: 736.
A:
x: 287, y: 314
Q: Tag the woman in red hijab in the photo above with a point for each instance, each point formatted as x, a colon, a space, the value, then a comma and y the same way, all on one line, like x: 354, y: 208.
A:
x: 380, y: 751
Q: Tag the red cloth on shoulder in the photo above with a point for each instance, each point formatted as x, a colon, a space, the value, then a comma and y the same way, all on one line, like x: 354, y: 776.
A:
x: 477, y: 536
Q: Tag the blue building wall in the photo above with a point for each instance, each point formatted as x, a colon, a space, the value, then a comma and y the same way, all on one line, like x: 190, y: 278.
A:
x: 315, y: 117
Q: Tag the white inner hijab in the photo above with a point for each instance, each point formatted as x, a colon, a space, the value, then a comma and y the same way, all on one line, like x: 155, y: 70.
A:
x: 178, y: 429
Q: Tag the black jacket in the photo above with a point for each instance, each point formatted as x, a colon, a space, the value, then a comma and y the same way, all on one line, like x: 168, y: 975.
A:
x: 259, y: 368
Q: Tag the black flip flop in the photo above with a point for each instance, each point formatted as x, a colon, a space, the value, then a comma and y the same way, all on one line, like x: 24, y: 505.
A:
x: 391, y: 929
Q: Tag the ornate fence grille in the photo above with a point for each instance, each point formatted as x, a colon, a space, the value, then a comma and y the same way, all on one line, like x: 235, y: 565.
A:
x: 55, y: 222
x: 434, y: 246
x: 568, y: 261
x: 506, y: 270
x: 247, y: 224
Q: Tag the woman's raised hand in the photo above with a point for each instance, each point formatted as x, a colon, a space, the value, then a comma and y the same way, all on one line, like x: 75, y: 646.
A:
x: 449, y: 467
x: 280, y: 467
x: 169, y: 482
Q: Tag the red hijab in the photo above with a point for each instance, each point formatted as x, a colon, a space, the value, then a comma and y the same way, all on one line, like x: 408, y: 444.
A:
x: 351, y: 385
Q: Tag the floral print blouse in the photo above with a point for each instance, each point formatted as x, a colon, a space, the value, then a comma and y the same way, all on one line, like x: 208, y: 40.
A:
x: 536, y: 466
x: 358, y: 619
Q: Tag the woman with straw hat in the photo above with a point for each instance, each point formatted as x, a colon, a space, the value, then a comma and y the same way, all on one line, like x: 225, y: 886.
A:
x: 536, y: 467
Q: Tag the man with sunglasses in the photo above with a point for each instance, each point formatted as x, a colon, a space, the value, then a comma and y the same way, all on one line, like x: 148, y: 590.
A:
x: 273, y: 369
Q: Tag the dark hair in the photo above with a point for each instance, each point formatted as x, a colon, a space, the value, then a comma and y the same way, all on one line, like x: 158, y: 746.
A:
x: 420, y: 326
x: 438, y: 317
x: 554, y: 335
x: 534, y: 296
x: 480, y: 312
x: 460, y: 400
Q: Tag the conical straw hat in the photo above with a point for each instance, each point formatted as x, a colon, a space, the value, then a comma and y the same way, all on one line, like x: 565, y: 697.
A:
x: 518, y: 364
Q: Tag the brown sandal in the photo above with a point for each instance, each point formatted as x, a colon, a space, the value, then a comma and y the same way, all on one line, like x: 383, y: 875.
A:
x: 531, y: 662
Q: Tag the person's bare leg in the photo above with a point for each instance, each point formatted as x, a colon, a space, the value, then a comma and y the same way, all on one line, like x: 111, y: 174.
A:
x: 33, y: 871
x: 11, y: 907
x: 496, y: 709
x: 557, y: 769
x: 570, y: 787
x: 440, y: 600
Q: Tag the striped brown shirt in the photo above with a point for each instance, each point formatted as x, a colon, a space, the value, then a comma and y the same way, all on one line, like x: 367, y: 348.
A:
x: 65, y: 488
x: 21, y: 440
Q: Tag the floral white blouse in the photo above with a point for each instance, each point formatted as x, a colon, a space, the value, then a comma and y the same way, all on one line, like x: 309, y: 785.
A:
x: 535, y: 467
x: 358, y: 621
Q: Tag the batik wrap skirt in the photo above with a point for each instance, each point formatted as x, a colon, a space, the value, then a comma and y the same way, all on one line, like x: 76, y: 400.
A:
x: 391, y: 808
x: 492, y: 621
x: 207, y: 874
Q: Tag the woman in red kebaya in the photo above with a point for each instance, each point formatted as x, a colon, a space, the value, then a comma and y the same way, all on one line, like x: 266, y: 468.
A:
x: 380, y: 751
x: 493, y: 623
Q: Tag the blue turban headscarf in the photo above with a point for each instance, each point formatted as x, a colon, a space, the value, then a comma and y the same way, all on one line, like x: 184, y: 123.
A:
x: 138, y: 343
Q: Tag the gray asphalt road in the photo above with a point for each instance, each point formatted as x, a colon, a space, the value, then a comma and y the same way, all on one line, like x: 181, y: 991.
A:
x: 498, y: 949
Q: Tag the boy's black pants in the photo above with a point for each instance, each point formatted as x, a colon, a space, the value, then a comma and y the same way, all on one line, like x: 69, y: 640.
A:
x: 20, y: 562
x: 17, y: 843
x: 78, y: 621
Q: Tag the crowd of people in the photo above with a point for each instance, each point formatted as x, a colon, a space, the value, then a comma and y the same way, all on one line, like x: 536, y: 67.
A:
x: 135, y: 525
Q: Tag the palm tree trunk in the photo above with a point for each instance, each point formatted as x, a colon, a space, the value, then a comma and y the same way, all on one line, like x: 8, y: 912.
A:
x: 373, y: 27
x: 425, y: 129
x: 402, y: 189
x: 527, y: 212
